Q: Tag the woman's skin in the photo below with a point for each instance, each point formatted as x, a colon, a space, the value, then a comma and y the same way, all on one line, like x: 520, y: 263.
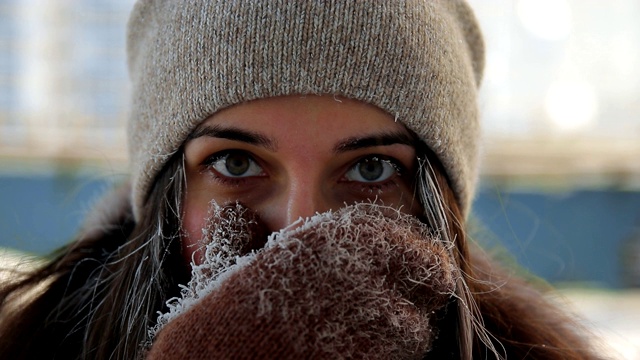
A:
x: 290, y: 157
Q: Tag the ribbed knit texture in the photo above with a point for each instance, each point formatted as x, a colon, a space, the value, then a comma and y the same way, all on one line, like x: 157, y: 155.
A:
x: 364, y: 282
x: 421, y: 61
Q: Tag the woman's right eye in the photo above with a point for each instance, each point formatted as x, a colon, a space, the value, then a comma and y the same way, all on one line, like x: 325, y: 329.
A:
x: 234, y: 164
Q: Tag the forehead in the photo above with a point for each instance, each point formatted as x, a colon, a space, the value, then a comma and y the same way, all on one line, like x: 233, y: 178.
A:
x: 321, y: 116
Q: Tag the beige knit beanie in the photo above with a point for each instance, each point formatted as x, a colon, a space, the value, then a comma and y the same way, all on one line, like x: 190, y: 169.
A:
x: 419, y: 60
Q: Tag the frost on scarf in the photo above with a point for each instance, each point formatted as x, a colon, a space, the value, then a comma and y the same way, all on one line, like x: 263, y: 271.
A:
x: 230, y: 235
x: 364, y: 281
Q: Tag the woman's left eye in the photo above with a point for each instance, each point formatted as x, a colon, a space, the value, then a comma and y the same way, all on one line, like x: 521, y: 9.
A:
x: 372, y: 169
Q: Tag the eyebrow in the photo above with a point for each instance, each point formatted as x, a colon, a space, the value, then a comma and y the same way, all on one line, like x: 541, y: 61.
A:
x: 235, y: 134
x: 384, y: 139
x: 257, y: 139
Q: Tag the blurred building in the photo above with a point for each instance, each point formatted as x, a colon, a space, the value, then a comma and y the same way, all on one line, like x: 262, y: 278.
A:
x: 63, y: 79
x: 561, y: 92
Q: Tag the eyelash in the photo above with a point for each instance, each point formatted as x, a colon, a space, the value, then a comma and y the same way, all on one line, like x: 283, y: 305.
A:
x: 222, y: 179
x: 378, y: 186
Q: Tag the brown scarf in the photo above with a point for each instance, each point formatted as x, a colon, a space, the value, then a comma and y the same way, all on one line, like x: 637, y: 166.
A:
x: 365, y: 281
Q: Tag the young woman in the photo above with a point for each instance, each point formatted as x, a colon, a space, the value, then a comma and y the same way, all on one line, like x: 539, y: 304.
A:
x: 301, y: 177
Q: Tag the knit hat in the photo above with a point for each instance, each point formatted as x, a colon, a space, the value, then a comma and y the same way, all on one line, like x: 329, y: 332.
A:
x: 419, y: 60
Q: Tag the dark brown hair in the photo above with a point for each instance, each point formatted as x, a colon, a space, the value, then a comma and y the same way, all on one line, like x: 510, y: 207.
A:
x: 507, y: 317
x: 99, y: 295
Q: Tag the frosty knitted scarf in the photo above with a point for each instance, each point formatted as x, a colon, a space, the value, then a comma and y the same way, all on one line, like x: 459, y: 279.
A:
x: 362, y: 282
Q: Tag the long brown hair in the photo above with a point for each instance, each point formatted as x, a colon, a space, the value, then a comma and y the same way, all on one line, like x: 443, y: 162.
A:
x: 497, y: 315
x: 99, y: 295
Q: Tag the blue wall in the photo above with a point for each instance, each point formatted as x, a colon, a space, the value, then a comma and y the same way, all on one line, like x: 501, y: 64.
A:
x: 571, y: 236
x: 42, y: 212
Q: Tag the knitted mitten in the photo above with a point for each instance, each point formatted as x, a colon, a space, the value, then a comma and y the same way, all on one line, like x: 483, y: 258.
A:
x: 364, y: 281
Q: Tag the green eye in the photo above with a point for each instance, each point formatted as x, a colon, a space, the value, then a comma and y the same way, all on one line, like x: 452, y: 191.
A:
x: 235, y: 164
x: 372, y: 169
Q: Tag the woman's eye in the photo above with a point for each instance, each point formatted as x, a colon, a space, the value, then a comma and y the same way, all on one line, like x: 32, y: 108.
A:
x: 372, y: 169
x: 235, y: 164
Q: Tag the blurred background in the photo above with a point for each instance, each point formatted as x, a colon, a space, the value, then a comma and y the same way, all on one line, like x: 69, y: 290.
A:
x: 560, y: 187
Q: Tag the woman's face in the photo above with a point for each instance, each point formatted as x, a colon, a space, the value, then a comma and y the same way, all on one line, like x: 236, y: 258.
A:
x: 290, y: 157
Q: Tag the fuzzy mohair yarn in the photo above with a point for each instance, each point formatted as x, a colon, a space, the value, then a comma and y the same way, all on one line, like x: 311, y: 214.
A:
x: 419, y: 60
x: 366, y: 281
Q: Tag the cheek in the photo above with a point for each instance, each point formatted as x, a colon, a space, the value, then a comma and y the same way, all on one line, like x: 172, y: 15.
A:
x: 412, y: 206
x: 192, y: 223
